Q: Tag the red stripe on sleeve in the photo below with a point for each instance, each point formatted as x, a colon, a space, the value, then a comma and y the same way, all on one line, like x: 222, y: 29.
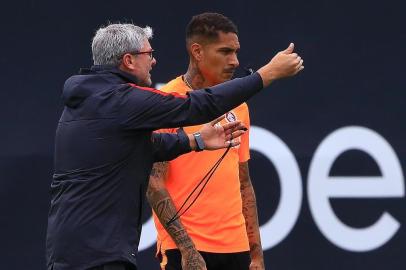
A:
x: 158, y: 91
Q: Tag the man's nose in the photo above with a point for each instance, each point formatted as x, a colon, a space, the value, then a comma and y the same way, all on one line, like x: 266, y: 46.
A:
x: 234, y: 60
x: 153, y: 62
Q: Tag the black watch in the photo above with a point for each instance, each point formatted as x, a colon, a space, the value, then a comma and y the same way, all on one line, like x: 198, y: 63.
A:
x: 199, y: 141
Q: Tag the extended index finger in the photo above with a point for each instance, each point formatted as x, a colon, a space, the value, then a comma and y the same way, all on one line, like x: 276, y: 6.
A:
x: 215, y: 121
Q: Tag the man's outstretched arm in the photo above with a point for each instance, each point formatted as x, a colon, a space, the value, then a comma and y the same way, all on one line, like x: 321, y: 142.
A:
x: 163, y: 206
x: 145, y: 108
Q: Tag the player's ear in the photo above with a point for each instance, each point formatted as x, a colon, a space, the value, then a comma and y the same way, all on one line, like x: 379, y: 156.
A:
x: 196, y: 51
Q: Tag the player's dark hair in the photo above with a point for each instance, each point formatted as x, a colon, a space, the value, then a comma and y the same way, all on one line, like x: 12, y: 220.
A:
x: 206, y: 26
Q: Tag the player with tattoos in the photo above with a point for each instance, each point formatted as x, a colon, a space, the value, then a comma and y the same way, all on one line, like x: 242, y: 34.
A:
x: 221, y: 230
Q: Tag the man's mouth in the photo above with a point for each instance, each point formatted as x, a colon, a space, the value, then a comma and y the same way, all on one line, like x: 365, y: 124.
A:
x: 229, y: 71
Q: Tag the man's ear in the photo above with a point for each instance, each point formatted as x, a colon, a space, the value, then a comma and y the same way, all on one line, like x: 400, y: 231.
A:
x: 127, y: 61
x: 196, y: 50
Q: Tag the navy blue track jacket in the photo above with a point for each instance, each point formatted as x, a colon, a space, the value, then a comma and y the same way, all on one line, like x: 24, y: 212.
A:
x: 104, y: 151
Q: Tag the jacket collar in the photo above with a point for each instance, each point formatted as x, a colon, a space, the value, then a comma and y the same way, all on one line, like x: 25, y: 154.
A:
x: 127, y: 77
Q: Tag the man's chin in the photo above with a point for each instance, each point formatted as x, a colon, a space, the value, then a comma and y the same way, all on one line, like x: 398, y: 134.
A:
x: 228, y: 76
x: 146, y: 83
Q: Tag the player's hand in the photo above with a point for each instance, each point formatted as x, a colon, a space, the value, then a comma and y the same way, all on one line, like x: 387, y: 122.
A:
x: 192, y: 260
x: 217, y: 136
x: 284, y: 64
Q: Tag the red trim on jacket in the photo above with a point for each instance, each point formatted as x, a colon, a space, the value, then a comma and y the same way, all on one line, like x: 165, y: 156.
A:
x: 158, y: 91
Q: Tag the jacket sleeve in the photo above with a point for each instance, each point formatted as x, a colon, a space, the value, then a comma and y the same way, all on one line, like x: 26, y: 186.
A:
x: 146, y: 108
x: 168, y: 146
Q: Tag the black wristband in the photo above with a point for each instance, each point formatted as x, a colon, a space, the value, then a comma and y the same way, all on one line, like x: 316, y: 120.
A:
x: 199, y: 141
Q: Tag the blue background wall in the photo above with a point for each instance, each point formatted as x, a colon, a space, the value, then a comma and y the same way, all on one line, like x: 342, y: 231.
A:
x: 355, y: 63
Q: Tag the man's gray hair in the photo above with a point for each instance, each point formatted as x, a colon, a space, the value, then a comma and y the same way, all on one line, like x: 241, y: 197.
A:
x: 110, y: 43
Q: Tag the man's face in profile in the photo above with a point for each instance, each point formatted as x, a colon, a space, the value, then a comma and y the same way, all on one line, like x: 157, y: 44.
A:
x: 143, y: 65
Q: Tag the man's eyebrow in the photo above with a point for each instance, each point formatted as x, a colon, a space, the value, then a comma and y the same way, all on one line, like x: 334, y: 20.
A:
x: 228, y: 49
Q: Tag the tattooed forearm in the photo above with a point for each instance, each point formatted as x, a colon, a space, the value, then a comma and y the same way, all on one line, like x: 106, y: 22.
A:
x: 193, y: 261
x: 159, y: 170
x: 249, y: 209
x: 163, y: 206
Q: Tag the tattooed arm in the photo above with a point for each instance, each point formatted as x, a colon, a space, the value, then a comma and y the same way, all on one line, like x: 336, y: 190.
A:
x: 249, y: 209
x: 163, y: 206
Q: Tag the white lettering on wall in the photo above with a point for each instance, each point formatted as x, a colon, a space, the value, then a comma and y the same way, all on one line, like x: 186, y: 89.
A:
x: 322, y: 187
x: 287, y: 212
